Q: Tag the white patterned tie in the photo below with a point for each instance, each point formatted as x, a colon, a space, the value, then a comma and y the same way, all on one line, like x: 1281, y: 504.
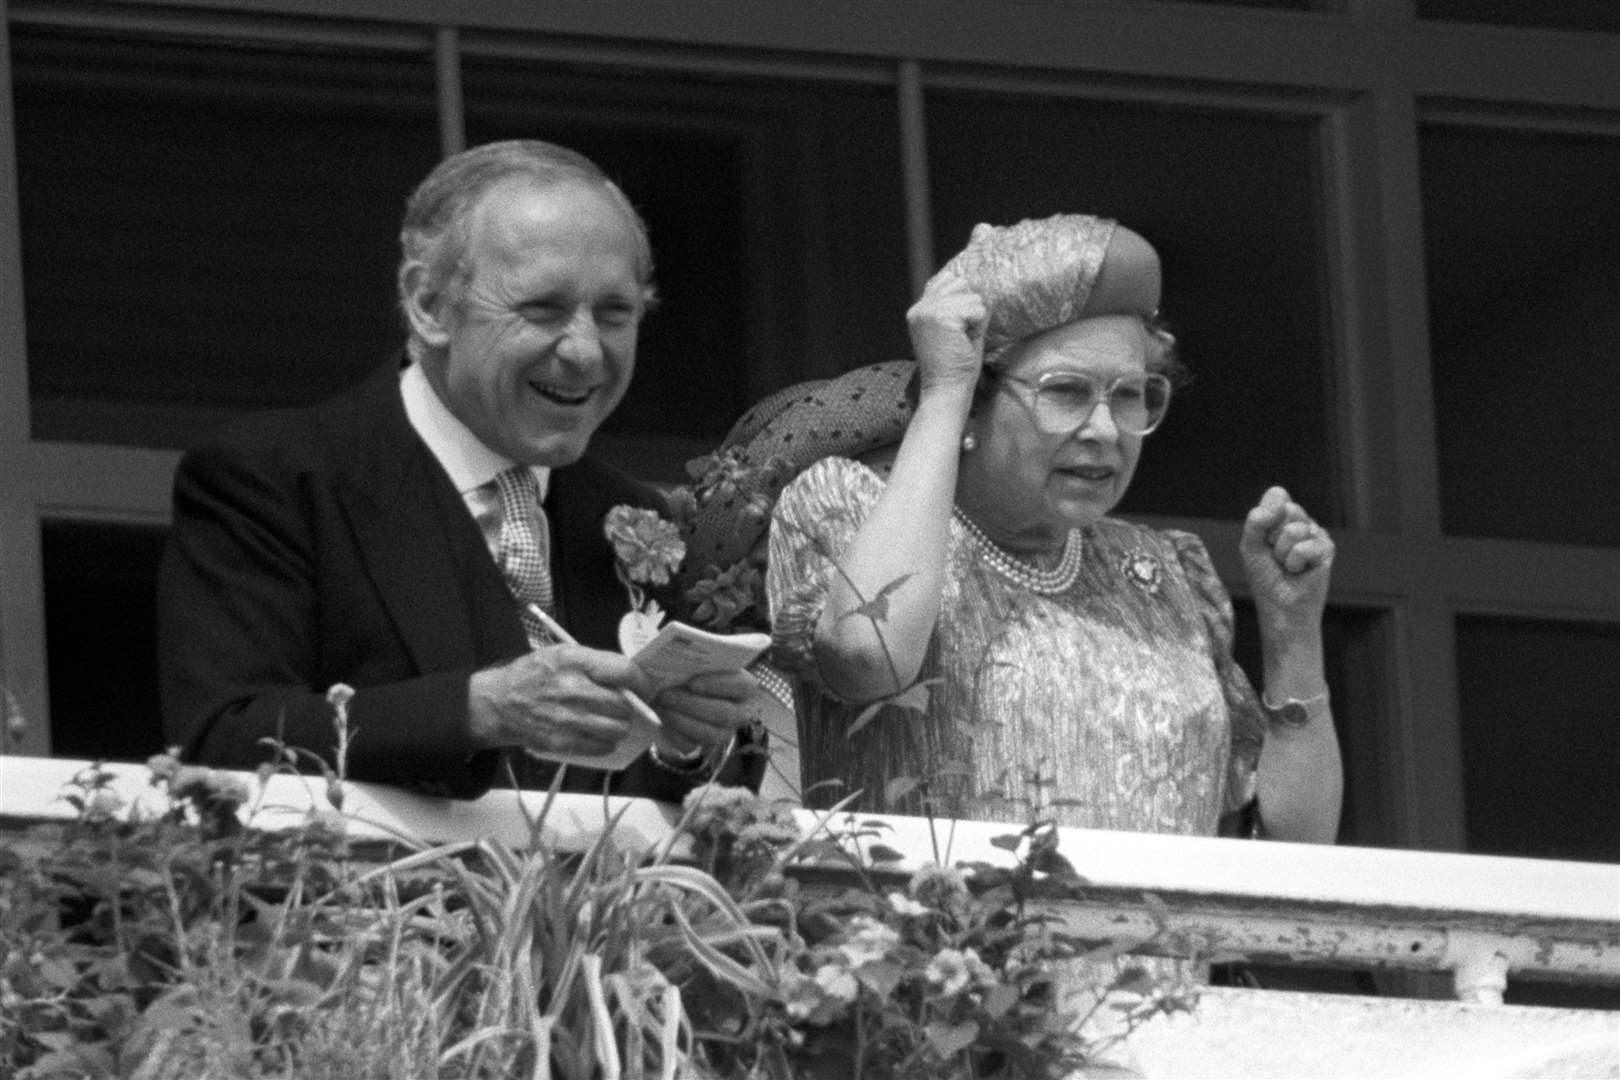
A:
x: 524, y: 549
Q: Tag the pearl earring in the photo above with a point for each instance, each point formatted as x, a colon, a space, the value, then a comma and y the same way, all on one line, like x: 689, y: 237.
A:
x: 969, y: 443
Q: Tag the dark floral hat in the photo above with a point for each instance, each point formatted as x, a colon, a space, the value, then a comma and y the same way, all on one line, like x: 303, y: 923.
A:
x: 847, y: 416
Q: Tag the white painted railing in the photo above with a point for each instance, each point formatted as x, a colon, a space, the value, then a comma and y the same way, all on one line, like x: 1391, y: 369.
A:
x: 1485, y: 919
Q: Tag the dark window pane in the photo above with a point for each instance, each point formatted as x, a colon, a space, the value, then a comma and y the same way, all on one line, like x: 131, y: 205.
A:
x: 101, y: 639
x: 1563, y: 15
x: 207, y: 228
x: 1540, y: 704
x: 1353, y: 639
x: 776, y: 216
x: 1232, y: 203
x: 1523, y: 263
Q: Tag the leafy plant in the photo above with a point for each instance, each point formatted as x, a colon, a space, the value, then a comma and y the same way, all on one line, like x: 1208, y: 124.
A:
x: 943, y: 972
x: 187, y: 945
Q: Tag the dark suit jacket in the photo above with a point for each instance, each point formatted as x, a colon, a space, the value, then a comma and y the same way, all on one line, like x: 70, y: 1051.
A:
x: 327, y: 545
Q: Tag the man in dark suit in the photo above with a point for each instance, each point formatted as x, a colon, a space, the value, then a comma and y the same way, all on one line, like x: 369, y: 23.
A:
x: 366, y: 541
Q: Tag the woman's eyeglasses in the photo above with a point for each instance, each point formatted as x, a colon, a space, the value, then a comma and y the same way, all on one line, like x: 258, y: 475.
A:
x: 1062, y: 401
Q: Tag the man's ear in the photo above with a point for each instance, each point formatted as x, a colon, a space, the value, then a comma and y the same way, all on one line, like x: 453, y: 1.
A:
x: 425, y: 309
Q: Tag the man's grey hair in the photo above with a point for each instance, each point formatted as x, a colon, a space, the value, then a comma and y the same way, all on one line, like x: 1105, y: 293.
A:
x: 439, y: 213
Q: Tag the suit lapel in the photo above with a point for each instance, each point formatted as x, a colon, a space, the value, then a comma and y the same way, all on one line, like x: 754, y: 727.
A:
x: 428, y: 561
x: 419, y: 545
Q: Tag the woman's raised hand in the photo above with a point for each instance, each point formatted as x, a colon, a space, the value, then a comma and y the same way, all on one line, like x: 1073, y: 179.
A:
x: 947, y: 331
x: 1288, y: 558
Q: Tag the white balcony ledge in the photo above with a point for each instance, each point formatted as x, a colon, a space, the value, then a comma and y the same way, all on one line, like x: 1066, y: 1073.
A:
x: 1485, y: 919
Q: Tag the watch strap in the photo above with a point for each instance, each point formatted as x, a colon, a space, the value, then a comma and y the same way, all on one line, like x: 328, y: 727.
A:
x: 1292, y: 712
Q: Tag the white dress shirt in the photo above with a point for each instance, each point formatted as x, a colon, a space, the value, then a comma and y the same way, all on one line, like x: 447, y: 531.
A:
x: 472, y: 466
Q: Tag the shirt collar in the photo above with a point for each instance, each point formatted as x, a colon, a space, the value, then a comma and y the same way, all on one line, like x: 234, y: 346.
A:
x: 465, y: 458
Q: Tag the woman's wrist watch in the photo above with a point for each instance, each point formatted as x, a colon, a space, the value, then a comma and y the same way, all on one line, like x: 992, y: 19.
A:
x: 699, y: 763
x: 1294, y: 712
x: 690, y: 765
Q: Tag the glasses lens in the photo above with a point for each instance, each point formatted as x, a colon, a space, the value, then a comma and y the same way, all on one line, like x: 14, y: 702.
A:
x: 1136, y: 404
x: 1062, y: 404
x: 1155, y: 400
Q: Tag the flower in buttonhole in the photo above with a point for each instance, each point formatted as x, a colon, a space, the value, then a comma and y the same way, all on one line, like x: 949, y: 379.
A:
x: 648, y: 548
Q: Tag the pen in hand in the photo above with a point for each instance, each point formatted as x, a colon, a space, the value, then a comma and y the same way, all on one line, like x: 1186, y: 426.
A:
x: 555, y: 629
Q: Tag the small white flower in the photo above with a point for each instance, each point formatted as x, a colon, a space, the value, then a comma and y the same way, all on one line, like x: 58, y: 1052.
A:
x: 869, y: 941
x: 837, y: 983
x: 949, y: 971
x: 905, y: 905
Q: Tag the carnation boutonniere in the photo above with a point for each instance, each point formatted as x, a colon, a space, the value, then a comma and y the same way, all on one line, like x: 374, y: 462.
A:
x: 650, y: 550
x: 647, y: 550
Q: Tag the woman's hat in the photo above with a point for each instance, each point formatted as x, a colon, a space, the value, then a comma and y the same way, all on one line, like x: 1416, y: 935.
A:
x: 1041, y: 274
x: 847, y: 416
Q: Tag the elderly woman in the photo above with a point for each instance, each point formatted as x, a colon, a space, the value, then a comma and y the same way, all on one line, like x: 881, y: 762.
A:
x: 1075, y: 664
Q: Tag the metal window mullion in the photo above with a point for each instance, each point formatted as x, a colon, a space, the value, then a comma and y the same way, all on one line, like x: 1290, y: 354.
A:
x: 1427, y: 762
x: 1344, y: 182
x: 913, y: 117
x: 23, y: 668
x: 1406, y: 301
x: 447, y: 81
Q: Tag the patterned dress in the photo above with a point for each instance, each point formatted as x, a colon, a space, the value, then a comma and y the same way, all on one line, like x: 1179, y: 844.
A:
x: 1112, y: 705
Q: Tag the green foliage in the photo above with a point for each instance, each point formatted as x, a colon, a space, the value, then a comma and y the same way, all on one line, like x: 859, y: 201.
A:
x: 187, y: 945
x: 946, y: 972
x: 192, y: 945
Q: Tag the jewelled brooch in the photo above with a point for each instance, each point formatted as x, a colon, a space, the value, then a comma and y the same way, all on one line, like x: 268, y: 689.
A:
x: 1142, y: 570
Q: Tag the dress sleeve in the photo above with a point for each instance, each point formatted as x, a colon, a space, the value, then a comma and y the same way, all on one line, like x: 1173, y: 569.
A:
x: 814, y: 522
x: 1242, y: 703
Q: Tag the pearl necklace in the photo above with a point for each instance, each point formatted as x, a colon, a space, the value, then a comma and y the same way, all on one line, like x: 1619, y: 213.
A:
x: 1046, y: 582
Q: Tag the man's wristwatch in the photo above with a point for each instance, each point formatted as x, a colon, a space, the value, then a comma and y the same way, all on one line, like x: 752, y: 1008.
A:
x: 1293, y: 712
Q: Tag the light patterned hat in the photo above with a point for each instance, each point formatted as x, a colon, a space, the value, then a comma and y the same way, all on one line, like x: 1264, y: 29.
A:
x: 1041, y: 274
